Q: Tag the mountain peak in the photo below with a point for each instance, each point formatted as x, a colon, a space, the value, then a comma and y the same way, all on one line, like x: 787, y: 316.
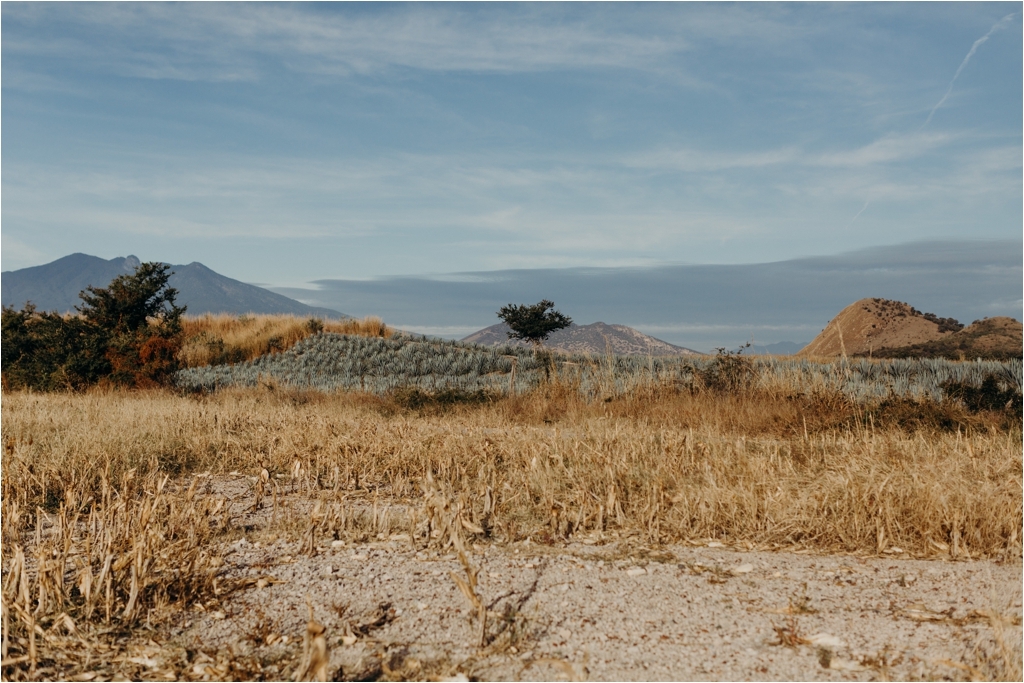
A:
x: 55, y: 287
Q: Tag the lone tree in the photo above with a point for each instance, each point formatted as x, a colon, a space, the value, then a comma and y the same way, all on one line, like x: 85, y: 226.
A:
x: 533, y: 323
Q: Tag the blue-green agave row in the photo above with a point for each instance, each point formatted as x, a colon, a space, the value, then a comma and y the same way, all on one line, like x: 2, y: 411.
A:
x: 331, y: 362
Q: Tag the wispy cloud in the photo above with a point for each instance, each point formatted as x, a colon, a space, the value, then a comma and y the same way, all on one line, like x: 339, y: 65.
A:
x: 520, y: 209
x: 970, y: 53
x: 230, y: 42
x: 887, y: 149
x: 690, y: 160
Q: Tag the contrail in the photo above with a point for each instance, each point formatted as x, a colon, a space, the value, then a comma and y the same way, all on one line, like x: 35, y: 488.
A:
x: 857, y: 214
x: 974, y: 48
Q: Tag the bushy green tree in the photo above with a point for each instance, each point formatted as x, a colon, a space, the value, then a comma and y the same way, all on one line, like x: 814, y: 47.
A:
x: 138, y: 322
x: 46, y: 351
x: 533, y: 323
x: 127, y: 333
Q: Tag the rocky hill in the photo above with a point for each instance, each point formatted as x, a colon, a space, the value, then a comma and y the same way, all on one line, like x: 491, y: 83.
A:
x: 598, y: 338
x: 55, y: 287
x: 884, y: 328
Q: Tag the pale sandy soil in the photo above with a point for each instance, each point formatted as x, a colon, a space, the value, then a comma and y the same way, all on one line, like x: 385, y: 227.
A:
x: 609, y: 611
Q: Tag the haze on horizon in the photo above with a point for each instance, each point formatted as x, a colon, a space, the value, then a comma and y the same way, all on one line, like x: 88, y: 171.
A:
x: 286, y: 144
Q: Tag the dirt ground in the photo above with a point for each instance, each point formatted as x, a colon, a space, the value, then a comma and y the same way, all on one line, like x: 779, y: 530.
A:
x: 606, y: 610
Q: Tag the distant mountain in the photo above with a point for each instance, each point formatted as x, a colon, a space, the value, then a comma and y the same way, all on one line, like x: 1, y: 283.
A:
x: 55, y: 287
x: 784, y: 348
x: 597, y: 338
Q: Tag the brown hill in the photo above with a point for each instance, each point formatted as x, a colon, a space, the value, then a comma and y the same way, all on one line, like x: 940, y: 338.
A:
x: 597, y: 338
x: 892, y: 329
x: 871, y: 324
x: 997, y: 338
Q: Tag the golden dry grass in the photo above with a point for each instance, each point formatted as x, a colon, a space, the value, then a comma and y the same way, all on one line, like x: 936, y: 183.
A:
x: 232, y: 339
x: 670, y: 469
x: 100, y: 487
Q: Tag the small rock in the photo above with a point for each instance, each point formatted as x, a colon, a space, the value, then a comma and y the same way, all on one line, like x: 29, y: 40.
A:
x: 742, y: 569
x: 825, y: 640
x: 636, y: 571
x: 840, y: 664
x: 337, y: 544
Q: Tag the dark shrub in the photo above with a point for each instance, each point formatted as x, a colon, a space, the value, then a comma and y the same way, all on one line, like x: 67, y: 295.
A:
x: 128, y: 334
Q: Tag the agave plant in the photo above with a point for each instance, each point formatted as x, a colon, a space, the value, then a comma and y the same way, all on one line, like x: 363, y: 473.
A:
x: 333, y: 362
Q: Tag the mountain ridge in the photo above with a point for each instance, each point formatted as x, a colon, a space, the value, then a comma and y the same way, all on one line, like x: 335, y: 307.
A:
x: 55, y: 286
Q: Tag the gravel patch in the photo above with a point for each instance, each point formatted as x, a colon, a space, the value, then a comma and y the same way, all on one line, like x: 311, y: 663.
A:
x: 610, y: 612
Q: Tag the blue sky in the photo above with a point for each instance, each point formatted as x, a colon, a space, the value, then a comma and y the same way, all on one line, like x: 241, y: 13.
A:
x: 282, y: 144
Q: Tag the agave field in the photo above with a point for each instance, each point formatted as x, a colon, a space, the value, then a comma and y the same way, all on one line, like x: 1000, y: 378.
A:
x: 331, y: 362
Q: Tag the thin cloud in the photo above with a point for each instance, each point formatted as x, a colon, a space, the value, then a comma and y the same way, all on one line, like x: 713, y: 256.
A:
x: 218, y: 43
x: 885, y: 150
x: 974, y: 48
x: 697, y: 161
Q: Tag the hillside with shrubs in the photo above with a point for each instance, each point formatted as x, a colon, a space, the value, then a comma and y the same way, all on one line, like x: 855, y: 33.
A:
x: 882, y: 328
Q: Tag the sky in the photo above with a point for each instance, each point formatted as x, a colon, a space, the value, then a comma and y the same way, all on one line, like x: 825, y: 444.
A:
x: 287, y: 144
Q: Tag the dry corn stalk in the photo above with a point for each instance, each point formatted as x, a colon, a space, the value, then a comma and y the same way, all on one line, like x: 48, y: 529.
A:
x: 315, y: 657
x: 468, y: 588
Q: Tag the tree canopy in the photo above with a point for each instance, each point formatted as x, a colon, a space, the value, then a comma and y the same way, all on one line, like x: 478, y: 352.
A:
x: 127, y: 333
x: 533, y: 323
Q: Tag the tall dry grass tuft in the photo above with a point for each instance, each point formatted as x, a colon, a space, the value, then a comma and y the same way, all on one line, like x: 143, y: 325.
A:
x: 77, y: 577
x: 215, y: 339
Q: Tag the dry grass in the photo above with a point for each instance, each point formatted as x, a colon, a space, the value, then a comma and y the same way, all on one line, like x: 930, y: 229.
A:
x: 671, y: 468
x: 233, y: 339
x: 104, y: 530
